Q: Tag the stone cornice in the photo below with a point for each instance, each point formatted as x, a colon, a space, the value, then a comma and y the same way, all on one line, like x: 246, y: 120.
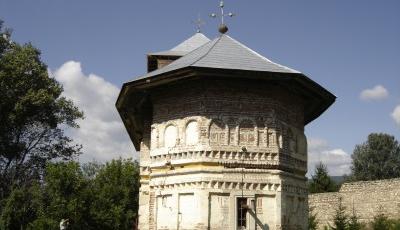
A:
x: 231, y: 159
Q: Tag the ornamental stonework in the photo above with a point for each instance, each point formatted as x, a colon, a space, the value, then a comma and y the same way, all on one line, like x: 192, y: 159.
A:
x: 221, y: 137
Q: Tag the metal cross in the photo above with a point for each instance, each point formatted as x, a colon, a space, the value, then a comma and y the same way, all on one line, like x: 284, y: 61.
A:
x: 198, y: 22
x: 221, y: 6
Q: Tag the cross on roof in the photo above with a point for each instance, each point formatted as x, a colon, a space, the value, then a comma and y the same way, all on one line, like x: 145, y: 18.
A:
x: 198, y: 22
x: 222, y: 28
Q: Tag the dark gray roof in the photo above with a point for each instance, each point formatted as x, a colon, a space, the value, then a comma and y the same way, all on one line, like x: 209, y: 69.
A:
x: 190, y: 44
x: 224, y: 52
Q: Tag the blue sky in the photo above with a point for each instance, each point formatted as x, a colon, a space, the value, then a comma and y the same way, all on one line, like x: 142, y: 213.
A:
x: 346, y: 46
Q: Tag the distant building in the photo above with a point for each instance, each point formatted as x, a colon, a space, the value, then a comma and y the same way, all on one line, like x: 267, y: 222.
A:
x: 220, y: 130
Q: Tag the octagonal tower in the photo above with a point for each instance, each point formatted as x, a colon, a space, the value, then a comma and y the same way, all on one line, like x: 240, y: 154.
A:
x: 220, y: 130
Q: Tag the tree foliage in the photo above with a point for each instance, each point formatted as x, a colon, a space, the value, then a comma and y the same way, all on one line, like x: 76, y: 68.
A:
x: 32, y: 116
x: 19, y: 209
x: 117, y: 181
x: 381, y: 222
x: 312, y: 220
x: 321, y: 181
x: 340, y: 220
x: 354, y: 223
x: 378, y: 158
x: 40, y: 184
x: 107, y: 200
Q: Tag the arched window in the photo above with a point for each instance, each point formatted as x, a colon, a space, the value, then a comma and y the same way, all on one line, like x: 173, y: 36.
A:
x: 170, y: 136
x: 217, y: 132
x: 246, y: 133
x: 192, y: 133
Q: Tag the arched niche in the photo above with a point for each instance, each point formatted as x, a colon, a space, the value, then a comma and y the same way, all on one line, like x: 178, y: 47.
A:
x: 302, y: 144
x: 292, y: 141
x: 231, y: 122
x: 217, y: 132
x: 246, y: 133
x: 192, y: 133
x: 273, y: 134
x: 170, y: 136
x: 261, y: 132
x: 154, y: 138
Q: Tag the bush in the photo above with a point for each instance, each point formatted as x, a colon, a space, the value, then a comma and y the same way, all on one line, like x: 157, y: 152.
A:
x: 341, y: 220
x: 381, y: 222
x: 353, y: 223
x: 312, y: 220
x: 396, y: 225
x: 43, y: 223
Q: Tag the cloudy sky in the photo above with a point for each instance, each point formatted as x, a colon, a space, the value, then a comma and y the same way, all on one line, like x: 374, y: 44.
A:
x: 350, y: 47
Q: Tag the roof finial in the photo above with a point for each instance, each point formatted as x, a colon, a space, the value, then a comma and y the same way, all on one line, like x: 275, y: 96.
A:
x: 198, y: 22
x: 222, y: 27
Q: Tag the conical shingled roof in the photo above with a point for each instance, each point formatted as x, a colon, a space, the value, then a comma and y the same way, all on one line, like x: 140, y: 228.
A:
x: 224, y: 52
x: 190, y: 44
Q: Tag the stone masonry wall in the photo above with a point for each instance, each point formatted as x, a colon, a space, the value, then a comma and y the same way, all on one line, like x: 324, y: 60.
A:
x: 365, y: 198
x: 264, y: 119
x: 193, y: 154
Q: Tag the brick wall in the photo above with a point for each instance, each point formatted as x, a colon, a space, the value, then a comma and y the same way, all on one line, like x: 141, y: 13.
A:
x: 365, y: 198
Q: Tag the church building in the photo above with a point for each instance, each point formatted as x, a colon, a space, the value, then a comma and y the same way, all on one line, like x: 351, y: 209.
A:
x: 220, y: 130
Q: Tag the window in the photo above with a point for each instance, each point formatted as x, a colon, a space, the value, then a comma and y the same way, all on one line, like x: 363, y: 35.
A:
x: 241, y: 213
x: 192, y: 133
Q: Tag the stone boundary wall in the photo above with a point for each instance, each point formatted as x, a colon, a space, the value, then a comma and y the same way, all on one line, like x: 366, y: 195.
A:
x: 365, y: 198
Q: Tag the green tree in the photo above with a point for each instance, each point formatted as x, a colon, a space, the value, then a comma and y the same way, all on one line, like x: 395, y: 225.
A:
x: 380, y: 222
x: 354, y: 223
x: 312, y: 220
x: 396, y: 224
x: 18, y: 210
x: 32, y: 116
x: 378, y: 158
x: 341, y: 220
x: 91, y: 169
x: 62, y: 194
x: 116, y: 189
x: 68, y: 193
x: 321, y: 182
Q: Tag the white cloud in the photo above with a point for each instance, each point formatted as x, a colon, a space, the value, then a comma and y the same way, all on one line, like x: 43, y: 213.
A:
x: 377, y: 93
x: 337, y: 160
x: 396, y: 115
x: 101, y: 133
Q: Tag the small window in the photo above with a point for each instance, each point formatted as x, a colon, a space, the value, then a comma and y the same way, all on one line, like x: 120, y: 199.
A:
x: 241, y: 213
